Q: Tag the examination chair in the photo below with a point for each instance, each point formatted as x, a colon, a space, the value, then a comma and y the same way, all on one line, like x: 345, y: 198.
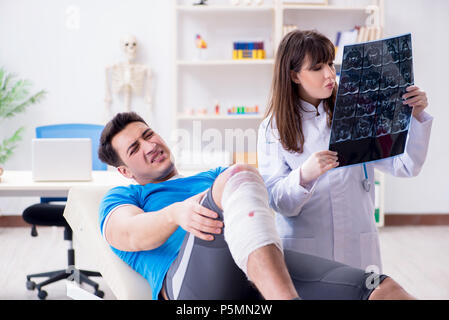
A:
x: 46, y: 213
x: 81, y: 213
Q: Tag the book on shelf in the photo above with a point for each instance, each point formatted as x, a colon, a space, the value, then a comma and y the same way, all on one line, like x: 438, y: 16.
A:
x: 248, y: 50
x: 357, y: 35
x: 344, y: 38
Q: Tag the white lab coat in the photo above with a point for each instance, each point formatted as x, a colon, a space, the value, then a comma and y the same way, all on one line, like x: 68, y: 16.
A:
x: 334, y: 217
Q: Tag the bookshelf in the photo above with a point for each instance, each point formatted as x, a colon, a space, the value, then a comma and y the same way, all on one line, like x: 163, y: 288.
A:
x: 210, y: 63
x: 220, y: 117
x: 221, y: 8
x: 198, y: 83
x: 260, y: 22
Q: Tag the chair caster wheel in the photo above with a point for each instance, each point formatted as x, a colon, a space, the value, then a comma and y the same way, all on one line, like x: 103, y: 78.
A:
x: 31, y: 285
x: 99, y: 293
x: 42, y: 294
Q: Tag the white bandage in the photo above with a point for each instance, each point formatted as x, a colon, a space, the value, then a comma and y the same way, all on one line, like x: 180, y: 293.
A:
x: 248, y: 220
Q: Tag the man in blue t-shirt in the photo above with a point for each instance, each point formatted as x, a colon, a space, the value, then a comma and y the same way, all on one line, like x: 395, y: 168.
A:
x: 211, y: 235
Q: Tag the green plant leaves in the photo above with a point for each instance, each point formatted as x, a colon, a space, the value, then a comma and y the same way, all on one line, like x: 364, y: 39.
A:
x: 8, y: 145
x: 14, y: 99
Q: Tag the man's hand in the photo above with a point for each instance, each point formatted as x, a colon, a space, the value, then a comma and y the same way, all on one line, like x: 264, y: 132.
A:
x: 196, y: 219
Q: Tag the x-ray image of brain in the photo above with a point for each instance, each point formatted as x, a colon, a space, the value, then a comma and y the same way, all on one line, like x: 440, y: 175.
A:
x: 372, y: 55
x: 349, y: 82
x: 363, y: 127
x: 389, y: 94
x: 390, y: 76
x: 387, y: 109
x: 405, y: 47
x: 406, y: 70
x: 341, y: 130
x: 401, y: 120
x: 370, y: 79
x: 353, y: 58
x: 370, y: 121
x: 367, y: 104
x: 383, y: 125
x: 390, y: 51
x: 347, y: 107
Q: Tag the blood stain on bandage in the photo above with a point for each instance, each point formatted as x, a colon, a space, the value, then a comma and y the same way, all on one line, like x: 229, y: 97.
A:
x: 251, y: 214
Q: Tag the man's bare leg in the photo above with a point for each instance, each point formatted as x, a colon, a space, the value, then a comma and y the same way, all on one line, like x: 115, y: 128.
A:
x: 390, y: 290
x: 266, y: 265
x: 267, y: 269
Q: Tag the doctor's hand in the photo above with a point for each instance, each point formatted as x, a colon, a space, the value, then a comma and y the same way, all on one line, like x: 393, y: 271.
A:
x: 316, y: 165
x: 196, y: 219
x: 417, y: 99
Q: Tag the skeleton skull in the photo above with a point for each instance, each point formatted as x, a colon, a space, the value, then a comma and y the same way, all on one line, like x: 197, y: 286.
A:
x: 128, y: 44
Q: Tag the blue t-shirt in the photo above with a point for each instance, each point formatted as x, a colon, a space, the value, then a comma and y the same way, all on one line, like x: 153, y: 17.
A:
x: 154, y: 264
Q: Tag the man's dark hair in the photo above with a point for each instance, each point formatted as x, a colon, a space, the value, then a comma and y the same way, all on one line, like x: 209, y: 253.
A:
x: 106, y: 152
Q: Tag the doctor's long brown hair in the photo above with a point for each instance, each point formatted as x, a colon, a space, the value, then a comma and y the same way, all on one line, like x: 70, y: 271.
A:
x: 284, y: 104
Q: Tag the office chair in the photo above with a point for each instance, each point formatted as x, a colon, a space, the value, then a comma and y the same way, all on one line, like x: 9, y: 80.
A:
x: 48, y: 214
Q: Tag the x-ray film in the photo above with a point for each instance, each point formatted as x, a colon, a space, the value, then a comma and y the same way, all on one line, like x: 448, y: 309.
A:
x: 370, y: 121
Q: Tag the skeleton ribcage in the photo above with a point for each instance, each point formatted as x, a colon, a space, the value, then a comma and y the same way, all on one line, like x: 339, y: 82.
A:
x: 131, y: 76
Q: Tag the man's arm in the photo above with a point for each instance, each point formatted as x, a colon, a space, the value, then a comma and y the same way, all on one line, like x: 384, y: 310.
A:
x: 129, y: 228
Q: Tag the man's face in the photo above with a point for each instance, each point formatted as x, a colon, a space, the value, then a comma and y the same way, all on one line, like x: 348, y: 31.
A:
x: 145, y: 155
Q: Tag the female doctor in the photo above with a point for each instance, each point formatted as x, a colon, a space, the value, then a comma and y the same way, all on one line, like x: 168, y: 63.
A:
x: 319, y: 211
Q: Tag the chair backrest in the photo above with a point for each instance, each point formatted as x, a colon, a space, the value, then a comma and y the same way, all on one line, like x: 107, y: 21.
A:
x: 81, y: 213
x: 74, y: 130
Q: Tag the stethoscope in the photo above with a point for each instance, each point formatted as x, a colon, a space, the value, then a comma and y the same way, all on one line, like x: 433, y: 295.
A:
x: 365, y: 182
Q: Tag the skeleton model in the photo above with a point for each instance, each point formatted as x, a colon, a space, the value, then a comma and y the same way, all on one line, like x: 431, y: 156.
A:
x: 128, y: 77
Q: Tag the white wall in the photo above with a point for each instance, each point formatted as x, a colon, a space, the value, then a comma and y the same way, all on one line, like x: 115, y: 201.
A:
x: 69, y: 64
x: 428, y: 22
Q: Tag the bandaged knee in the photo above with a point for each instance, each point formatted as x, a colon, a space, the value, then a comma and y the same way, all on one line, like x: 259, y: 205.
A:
x: 248, y: 220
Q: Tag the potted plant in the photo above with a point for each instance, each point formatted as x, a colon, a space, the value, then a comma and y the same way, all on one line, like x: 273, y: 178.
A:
x: 14, y: 99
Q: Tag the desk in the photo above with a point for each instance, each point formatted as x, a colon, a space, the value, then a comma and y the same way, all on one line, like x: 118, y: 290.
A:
x: 21, y: 184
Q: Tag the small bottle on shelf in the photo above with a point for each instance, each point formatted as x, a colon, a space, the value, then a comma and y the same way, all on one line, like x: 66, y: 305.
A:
x: 217, y: 108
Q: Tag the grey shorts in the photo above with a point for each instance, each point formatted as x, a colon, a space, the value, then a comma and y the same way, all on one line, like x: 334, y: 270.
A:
x: 205, y: 270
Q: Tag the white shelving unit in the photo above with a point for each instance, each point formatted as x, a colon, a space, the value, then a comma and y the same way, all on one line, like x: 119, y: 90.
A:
x: 335, y: 17
x: 346, y: 16
x: 209, y: 63
x: 215, y: 8
x: 220, y: 117
x: 198, y: 82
